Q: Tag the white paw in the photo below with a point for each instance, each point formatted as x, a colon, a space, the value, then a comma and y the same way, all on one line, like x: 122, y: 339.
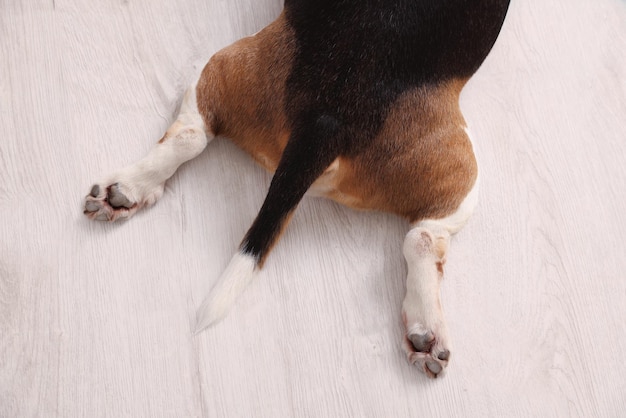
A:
x: 113, y: 200
x: 427, y: 347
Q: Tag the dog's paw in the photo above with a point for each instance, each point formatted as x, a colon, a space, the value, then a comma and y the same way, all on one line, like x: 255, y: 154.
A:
x: 427, y: 349
x: 110, y: 201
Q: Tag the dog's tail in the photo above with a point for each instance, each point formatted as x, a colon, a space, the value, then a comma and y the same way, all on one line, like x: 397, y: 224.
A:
x: 308, y: 153
x: 237, y: 276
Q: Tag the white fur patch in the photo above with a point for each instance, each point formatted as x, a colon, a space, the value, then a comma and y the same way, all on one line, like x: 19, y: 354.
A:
x: 233, y: 281
x: 421, y: 308
x: 421, y: 304
x: 142, y: 183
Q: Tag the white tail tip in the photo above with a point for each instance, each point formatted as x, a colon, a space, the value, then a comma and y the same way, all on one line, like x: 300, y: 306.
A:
x: 237, y: 276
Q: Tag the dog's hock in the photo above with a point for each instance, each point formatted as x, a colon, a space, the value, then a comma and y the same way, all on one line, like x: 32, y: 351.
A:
x: 237, y: 276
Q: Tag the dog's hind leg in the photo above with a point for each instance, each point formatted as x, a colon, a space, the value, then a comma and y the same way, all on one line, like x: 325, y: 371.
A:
x: 426, y: 341
x: 121, y: 194
x: 308, y: 153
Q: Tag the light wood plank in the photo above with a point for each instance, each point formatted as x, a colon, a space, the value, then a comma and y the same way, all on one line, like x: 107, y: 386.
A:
x: 96, y: 320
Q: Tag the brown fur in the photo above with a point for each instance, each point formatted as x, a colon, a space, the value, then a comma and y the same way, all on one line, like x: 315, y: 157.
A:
x: 420, y: 166
x: 241, y: 93
x: 427, y: 167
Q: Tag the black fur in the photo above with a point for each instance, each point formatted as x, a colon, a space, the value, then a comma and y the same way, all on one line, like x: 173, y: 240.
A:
x: 353, y: 59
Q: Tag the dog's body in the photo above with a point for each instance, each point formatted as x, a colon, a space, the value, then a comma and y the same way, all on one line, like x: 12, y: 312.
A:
x: 354, y: 100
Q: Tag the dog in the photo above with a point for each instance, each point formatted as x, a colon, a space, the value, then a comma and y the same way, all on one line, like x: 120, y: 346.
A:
x: 353, y: 100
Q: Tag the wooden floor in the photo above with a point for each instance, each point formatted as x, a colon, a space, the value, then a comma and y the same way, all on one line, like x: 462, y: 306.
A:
x: 96, y: 319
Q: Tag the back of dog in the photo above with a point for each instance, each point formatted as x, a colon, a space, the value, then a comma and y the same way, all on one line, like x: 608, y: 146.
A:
x: 346, y: 66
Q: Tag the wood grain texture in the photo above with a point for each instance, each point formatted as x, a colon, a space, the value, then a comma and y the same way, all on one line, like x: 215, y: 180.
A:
x: 96, y: 319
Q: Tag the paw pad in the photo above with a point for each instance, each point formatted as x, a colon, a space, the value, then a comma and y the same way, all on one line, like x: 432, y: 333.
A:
x: 108, y: 206
x: 426, y: 352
